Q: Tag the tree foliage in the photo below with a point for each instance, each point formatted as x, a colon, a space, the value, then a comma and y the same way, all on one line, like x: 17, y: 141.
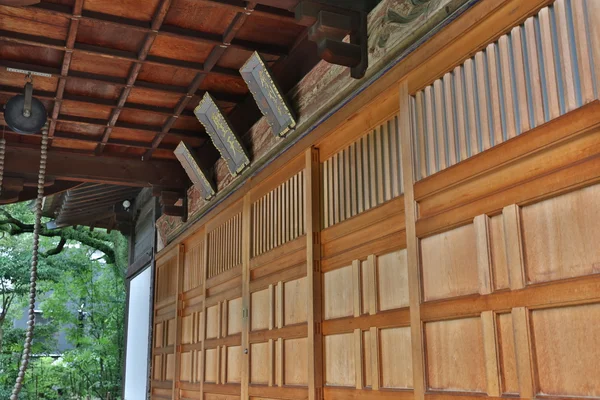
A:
x: 81, y: 283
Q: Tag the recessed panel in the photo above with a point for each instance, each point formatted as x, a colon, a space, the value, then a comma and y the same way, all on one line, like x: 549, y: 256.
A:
x: 234, y: 316
x: 449, y: 264
x: 295, y: 362
x: 567, y: 350
x: 259, y: 363
x: 260, y: 310
x: 455, y: 355
x: 339, y: 360
x: 560, y: 236
x: 396, y: 358
x: 337, y: 293
x: 392, y: 280
x: 234, y: 364
x: 295, y: 301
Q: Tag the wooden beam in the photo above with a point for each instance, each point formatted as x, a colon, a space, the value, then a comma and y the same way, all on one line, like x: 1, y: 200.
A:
x: 71, y: 166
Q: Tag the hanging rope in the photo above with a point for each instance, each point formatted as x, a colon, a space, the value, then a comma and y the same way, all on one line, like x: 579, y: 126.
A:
x: 34, y: 258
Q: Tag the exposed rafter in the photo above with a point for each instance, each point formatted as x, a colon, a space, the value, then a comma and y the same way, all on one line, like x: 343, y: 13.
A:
x: 173, y: 32
x: 39, y: 41
x: 157, y: 21
x: 211, y: 61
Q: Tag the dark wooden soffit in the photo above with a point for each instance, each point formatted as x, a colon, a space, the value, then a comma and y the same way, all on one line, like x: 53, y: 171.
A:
x: 93, y: 205
x: 124, y: 76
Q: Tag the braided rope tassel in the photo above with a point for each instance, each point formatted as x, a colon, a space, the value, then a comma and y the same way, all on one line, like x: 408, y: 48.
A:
x: 34, y: 262
x: 2, y: 155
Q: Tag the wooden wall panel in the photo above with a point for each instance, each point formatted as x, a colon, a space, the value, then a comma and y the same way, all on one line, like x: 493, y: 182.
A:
x: 560, y: 236
x: 363, y: 175
x: 467, y: 268
x: 455, y: 355
x: 566, y: 350
x: 539, y: 71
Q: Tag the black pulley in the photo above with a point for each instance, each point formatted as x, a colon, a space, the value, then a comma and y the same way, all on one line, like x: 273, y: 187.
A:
x: 24, y: 113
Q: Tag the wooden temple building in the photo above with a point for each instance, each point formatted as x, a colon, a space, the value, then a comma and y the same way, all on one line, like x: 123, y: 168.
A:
x: 329, y: 200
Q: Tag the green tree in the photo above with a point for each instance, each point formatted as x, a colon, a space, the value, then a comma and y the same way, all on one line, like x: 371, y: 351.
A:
x: 77, y: 267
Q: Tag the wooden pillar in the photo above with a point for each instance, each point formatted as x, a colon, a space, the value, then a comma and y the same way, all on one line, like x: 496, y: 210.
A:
x: 246, y: 243
x: 313, y: 271
x: 178, y: 312
x: 412, y: 244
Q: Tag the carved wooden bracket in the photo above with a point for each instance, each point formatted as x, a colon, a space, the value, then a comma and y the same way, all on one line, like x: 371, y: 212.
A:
x: 328, y: 26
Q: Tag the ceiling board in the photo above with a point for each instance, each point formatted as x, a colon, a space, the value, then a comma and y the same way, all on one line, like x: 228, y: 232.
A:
x: 142, y: 10
x: 199, y: 16
x: 180, y: 49
x: 109, y: 35
x: 84, y: 62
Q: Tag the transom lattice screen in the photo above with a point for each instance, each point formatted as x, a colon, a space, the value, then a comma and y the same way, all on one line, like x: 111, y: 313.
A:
x: 541, y: 70
x: 362, y: 176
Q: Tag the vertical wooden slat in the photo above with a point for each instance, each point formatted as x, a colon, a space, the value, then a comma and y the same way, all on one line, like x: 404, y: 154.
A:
x: 450, y: 118
x: 491, y: 353
x: 386, y: 171
x: 279, y: 305
x: 353, y: 188
x: 549, y: 65
x: 522, y: 98
x: 440, y: 123
x: 366, y: 171
x: 421, y: 140
x: 496, y: 93
x: 520, y: 319
x: 514, y: 246
x: 484, y: 256
x: 566, y: 63
x: 510, y: 118
x: 534, y: 72
x: 471, y: 108
x: 414, y: 284
x: 347, y: 188
x: 373, y: 167
x: 430, y: 132
x: 360, y: 192
x: 483, y: 101
x: 461, y: 120
x: 583, y: 45
x: 395, y: 159
x: 592, y: 13
x: 378, y: 135
x: 336, y: 187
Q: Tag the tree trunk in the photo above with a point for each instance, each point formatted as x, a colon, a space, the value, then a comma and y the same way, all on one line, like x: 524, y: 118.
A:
x: 1, y: 333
